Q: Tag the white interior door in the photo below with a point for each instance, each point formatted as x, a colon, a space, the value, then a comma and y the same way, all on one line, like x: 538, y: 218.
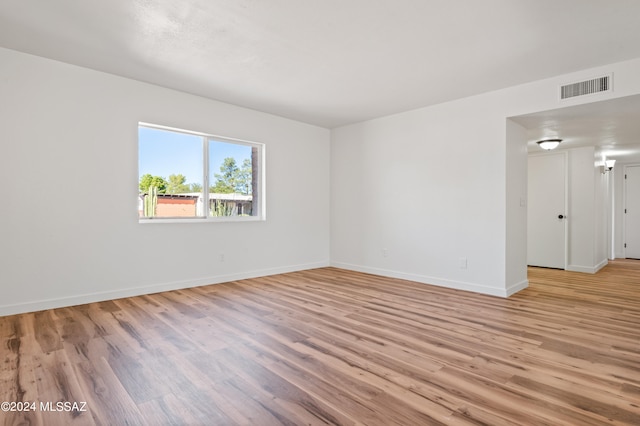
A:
x: 546, y: 216
x: 632, y: 212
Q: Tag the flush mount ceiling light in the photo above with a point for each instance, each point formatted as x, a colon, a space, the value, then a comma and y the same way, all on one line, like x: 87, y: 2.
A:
x: 549, y: 144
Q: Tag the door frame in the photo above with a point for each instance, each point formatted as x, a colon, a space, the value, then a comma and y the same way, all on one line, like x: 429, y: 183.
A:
x: 565, y: 155
x: 624, y: 206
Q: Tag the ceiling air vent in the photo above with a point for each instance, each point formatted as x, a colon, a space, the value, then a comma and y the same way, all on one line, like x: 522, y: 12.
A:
x: 587, y: 87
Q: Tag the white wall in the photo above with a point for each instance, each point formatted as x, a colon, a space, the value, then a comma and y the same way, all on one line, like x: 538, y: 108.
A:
x: 516, y: 207
x: 581, y: 208
x: 618, y: 214
x: 587, y: 211
x: 600, y: 245
x: 610, y: 215
x: 618, y: 210
x: 413, y: 185
x: 432, y: 186
x: 69, y: 231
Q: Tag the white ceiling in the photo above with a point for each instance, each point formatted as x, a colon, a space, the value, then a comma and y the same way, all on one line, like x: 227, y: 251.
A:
x: 335, y: 62
x: 612, y: 125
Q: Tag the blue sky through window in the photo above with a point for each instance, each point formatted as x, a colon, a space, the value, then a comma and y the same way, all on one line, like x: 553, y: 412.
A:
x: 164, y: 152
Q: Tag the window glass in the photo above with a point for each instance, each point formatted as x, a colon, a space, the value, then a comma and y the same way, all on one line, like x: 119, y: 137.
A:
x: 230, y: 179
x: 189, y: 175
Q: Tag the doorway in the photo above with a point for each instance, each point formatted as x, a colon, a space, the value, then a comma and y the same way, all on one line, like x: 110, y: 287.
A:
x: 632, y: 212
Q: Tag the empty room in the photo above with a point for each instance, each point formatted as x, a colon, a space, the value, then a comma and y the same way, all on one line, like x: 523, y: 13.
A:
x: 358, y: 212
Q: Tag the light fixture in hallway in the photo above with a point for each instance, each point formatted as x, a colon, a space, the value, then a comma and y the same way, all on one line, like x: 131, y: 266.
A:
x: 608, y: 166
x: 549, y: 144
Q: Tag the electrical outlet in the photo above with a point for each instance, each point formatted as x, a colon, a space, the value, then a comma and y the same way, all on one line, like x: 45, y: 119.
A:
x: 385, y: 252
x: 221, y: 257
x: 463, y: 263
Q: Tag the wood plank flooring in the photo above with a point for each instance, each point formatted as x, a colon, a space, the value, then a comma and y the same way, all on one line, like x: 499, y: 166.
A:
x: 327, y: 347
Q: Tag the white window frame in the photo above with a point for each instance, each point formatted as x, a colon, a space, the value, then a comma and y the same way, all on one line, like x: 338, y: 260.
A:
x: 206, y: 138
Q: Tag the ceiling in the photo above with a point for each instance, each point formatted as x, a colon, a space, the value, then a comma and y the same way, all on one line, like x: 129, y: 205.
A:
x: 335, y: 62
x: 612, y: 125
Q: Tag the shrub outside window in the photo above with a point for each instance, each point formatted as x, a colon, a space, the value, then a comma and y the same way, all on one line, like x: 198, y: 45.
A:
x: 186, y: 175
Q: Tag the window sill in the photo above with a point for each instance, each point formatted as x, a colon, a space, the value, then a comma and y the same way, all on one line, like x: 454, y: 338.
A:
x: 204, y: 220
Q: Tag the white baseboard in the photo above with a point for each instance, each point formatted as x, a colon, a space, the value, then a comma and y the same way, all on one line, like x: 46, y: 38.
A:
x: 588, y: 269
x: 457, y: 285
x: 40, y: 305
x: 514, y: 288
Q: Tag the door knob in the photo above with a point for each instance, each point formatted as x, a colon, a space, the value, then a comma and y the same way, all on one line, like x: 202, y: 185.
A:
x: 560, y: 216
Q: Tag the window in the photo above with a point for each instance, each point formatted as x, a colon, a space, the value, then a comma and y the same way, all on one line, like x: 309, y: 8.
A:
x: 188, y: 175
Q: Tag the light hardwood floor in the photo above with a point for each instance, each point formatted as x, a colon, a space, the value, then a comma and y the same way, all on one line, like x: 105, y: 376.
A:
x: 329, y: 346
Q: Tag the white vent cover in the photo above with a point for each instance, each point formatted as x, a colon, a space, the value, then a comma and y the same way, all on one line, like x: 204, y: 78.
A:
x: 587, y: 87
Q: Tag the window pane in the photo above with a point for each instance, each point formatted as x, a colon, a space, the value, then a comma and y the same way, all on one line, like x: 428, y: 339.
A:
x: 231, y: 182
x: 170, y: 169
